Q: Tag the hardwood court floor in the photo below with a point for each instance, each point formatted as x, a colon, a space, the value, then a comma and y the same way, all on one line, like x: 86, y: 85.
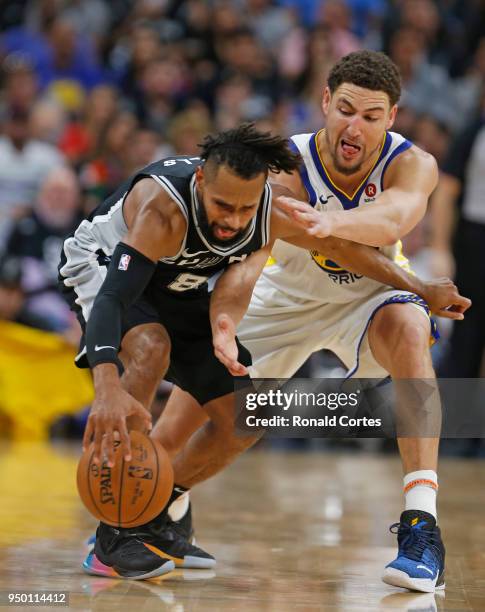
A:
x: 292, y: 532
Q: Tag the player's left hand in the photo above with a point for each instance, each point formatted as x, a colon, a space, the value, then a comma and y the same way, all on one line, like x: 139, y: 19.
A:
x: 314, y: 222
x: 225, y: 346
x: 444, y: 299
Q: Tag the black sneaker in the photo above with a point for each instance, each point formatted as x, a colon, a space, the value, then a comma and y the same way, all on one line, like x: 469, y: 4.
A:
x: 172, y: 540
x: 420, y: 561
x: 175, y: 540
x: 120, y: 553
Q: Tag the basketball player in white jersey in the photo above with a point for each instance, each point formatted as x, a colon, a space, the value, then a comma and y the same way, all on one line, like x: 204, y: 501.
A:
x: 363, y: 183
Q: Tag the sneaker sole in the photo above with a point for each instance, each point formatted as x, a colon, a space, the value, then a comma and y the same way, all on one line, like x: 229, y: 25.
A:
x: 94, y: 567
x: 196, y: 563
x: 188, y: 562
x: 185, y: 563
x: 398, y: 578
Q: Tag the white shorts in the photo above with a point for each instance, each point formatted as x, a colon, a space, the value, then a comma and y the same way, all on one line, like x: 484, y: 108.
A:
x: 281, y: 331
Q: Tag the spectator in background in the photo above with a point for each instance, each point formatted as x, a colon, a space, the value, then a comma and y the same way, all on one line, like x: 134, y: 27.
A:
x: 321, y: 56
x: 79, y: 141
x: 432, y: 136
x: 467, y: 88
x: 64, y: 60
x: 109, y: 167
x: 270, y: 23
x: 72, y: 68
x: 163, y: 87
x: 37, y: 239
x: 24, y: 164
x: 146, y: 147
x: 462, y: 188
x: 232, y: 97
x: 241, y: 53
x: 12, y: 296
x: 90, y: 16
x: 335, y: 15
x: 197, y: 20
x: 426, y: 87
x: 225, y: 20
x: 20, y: 87
x: 306, y: 10
x: 132, y: 55
x: 188, y: 129
x: 47, y: 121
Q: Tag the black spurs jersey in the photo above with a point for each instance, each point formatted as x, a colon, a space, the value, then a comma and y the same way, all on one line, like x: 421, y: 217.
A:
x: 199, y: 262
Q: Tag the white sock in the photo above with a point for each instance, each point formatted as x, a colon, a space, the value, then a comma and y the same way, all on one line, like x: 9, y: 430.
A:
x: 420, y: 489
x: 179, y: 507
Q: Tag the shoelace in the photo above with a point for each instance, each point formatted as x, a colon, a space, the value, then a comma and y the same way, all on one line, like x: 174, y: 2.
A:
x: 126, y: 533
x: 416, y: 540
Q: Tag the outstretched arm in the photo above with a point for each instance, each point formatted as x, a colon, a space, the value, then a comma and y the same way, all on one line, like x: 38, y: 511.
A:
x: 441, y: 295
x: 409, y: 181
x: 229, y: 302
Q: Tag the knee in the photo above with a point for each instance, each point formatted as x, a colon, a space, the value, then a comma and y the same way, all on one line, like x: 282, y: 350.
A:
x: 230, y: 440
x: 151, y: 349
x: 401, y: 332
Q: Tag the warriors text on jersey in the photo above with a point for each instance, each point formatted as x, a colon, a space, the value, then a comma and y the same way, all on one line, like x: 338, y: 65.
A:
x: 193, y: 270
x: 309, y: 275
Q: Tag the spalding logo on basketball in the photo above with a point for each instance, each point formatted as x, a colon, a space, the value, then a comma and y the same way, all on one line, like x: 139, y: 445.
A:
x: 130, y: 493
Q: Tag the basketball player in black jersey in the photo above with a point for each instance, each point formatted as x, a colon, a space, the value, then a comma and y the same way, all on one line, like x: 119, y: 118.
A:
x: 147, y: 274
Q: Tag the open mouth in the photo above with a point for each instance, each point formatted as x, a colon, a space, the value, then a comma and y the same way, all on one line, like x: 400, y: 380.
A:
x: 223, y: 233
x: 349, y: 149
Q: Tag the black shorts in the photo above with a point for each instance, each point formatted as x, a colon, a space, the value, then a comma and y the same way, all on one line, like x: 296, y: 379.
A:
x: 193, y: 365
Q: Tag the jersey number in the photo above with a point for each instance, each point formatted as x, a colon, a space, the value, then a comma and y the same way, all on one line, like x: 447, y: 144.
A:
x: 186, y: 281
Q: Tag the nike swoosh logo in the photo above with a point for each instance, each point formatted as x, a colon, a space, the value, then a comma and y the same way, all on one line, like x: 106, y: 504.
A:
x: 425, y: 568
x: 185, y: 253
x: 100, y: 348
x: 324, y: 199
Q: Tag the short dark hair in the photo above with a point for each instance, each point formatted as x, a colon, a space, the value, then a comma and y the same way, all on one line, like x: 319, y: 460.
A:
x: 368, y: 69
x: 249, y: 152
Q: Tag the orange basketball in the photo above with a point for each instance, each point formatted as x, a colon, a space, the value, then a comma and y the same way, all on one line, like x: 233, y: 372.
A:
x: 130, y: 493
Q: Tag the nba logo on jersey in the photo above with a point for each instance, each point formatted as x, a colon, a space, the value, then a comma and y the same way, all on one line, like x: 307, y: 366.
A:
x: 124, y: 262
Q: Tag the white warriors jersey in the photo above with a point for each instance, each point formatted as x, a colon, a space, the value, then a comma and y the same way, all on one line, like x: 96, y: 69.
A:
x: 308, y: 275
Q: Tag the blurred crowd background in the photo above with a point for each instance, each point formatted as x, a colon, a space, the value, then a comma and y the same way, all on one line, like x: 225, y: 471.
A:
x: 92, y: 90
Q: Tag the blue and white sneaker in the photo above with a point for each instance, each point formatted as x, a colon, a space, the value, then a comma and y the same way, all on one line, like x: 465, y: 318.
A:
x: 420, y: 562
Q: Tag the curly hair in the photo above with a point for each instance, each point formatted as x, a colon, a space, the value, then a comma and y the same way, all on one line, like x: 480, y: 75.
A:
x: 368, y: 69
x: 249, y: 152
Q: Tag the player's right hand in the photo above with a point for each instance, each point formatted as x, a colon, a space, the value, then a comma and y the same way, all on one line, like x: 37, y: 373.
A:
x: 313, y: 222
x: 444, y: 299
x: 107, y: 423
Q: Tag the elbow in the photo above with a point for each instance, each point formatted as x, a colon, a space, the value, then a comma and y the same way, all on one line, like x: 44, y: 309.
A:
x: 390, y: 235
x: 390, y: 239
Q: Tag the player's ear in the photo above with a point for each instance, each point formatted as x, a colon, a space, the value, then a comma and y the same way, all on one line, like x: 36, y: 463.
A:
x: 199, y: 176
x: 327, y: 96
x: 392, y: 117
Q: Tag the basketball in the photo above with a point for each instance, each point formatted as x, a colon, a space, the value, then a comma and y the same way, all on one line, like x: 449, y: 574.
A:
x: 130, y: 493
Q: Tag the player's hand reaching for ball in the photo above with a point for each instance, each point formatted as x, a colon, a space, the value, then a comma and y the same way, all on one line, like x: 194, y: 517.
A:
x: 107, y: 423
x: 444, y: 300
x: 225, y: 346
x: 313, y: 222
